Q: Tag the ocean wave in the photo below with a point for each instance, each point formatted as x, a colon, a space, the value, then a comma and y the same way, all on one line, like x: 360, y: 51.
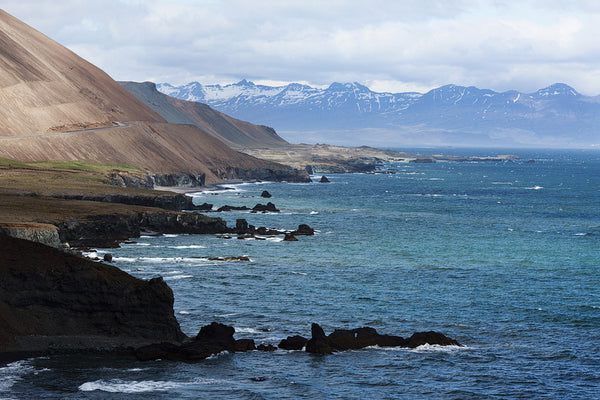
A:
x: 175, y: 260
x: 436, y: 348
x: 191, y: 246
x: 176, y: 277
x: 314, y: 212
x: 183, y: 312
x: 246, y: 330
x: 120, y: 386
x: 534, y: 188
x: 13, y: 372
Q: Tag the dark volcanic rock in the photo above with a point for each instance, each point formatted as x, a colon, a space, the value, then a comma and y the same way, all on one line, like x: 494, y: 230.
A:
x: 242, y: 345
x: 212, y: 339
x: 265, y: 194
x: 269, y: 207
x: 266, y: 347
x: 293, y: 343
x: 318, y: 343
x: 431, y: 337
x: 304, y: 229
x: 267, y: 231
x: 290, y: 238
x: 53, y: 301
x: 204, y: 207
x: 232, y: 208
x: 324, y: 179
x: 241, y: 226
x: 345, y: 339
x: 102, y: 230
x: 107, y: 257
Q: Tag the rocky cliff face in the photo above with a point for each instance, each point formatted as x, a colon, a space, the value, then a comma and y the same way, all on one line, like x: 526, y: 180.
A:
x: 104, y: 230
x: 41, y: 233
x: 53, y: 301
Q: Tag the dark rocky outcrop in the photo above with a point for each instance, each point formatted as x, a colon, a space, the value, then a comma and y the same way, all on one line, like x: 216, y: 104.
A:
x: 359, y: 338
x: 304, y: 229
x: 242, y: 345
x: 173, y: 202
x: 232, y: 208
x: 293, y: 343
x: 324, y: 179
x: 431, y: 337
x: 51, y: 301
x: 266, y: 347
x: 269, y: 207
x: 285, y: 174
x: 102, y: 230
x: 265, y: 194
x: 318, y: 343
x: 290, y: 238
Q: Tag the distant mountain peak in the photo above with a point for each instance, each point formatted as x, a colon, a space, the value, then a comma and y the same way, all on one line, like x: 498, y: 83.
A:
x: 450, y: 114
x: 558, y: 89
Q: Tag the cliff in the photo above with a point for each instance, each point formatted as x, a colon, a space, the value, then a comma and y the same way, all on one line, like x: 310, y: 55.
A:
x: 52, y: 301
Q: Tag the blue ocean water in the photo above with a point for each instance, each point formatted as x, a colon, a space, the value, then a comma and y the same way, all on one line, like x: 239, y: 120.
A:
x: 502, y: 256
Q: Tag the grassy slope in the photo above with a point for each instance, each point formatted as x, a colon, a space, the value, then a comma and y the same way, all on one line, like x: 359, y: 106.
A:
x: 29, y: 190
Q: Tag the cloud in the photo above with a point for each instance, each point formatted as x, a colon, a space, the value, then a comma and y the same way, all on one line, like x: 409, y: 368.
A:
x: 420, y: 44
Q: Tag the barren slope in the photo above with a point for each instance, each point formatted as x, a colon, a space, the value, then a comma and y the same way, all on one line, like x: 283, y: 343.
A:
x: 160, y: 148
x: 233, y: 132
x: 57, y: 106
x: 46, y: 87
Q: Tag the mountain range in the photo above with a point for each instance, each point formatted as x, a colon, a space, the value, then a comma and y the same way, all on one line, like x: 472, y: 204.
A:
x: 451, y: 115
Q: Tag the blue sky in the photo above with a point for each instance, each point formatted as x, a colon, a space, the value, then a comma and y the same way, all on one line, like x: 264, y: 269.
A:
x: 388, y: 45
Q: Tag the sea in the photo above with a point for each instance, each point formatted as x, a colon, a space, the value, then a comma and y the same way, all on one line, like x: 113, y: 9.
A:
x: 502, y: 256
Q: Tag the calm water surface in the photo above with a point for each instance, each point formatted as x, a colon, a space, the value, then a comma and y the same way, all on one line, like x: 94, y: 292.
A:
x: 504, y: 257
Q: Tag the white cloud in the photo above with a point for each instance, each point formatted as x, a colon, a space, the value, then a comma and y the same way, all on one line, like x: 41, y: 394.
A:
x: 389, y: 44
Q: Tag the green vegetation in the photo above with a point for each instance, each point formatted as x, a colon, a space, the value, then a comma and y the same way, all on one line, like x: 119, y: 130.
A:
x: 50, y: 191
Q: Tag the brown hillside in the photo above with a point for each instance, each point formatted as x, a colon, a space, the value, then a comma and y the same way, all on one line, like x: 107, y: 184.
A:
x: 57, y: 106
x: 231, y: 131
x: 46, y: 87
x: 156, y: 147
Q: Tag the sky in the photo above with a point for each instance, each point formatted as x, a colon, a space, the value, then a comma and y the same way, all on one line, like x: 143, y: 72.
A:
x: 387, y: 45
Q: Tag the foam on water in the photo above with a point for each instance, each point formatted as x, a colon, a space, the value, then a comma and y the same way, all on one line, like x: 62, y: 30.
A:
x: 121, y: 386
x: 14, y: 372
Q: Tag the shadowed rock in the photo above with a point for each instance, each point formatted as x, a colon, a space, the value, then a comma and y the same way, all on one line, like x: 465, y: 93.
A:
x: 290, y: 238
x: 293, y: 343
x: 324, y: 179
x: 269, y: 207
x: 318, y: 343
x: 265, y: 194
x: 242, y: 345
x: 431, y: 337
x: 304, y: 229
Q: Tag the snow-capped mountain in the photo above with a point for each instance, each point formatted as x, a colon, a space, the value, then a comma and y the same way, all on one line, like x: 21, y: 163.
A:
x: 350, y: 113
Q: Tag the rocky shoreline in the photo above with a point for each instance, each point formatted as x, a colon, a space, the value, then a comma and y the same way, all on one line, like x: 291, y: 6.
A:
x: 53, y: 300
